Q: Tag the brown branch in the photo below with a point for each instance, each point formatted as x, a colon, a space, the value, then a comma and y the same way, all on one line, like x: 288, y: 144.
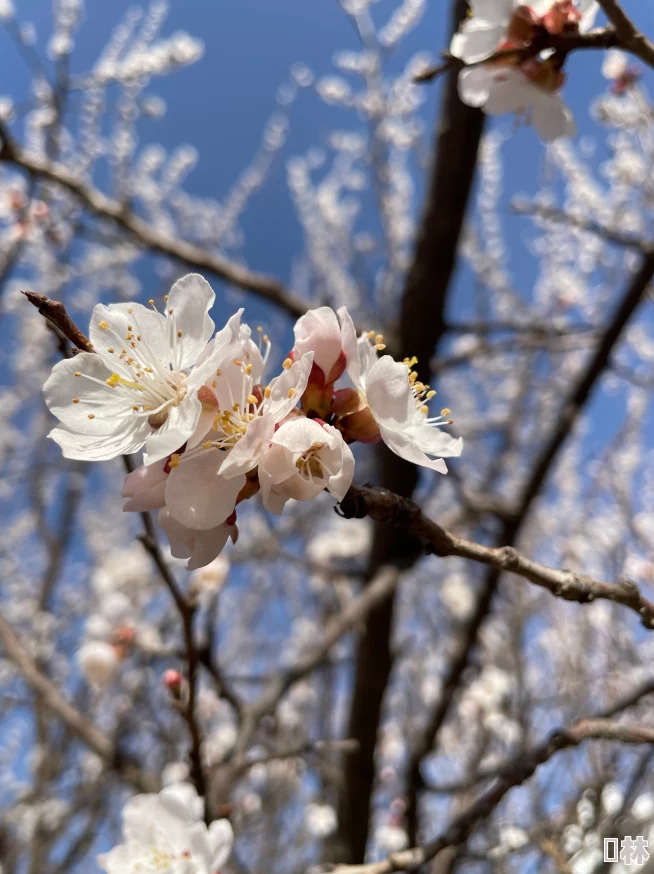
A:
x: 78, y: 724
x: 629, y: 241
x: 513, y: 774
x: 457, y: 133
x: 385, y: 506
x: 629, y: 37
x: 358, y: 610
x: 632, y: 297
x: 55, y: 312
x: 267, y: 287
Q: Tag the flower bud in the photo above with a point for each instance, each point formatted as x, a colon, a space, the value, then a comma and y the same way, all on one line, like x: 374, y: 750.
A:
x: 174, y: 682
x: 98, y: 661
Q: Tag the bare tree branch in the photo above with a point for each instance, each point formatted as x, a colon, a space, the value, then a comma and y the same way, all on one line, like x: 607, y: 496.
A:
x: 267, y: 287
x: 629, y: 37
x: 79, y: 725
x: 384, y: 506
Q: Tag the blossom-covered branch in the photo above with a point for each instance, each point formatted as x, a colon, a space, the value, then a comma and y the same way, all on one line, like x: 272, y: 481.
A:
x: 514, y: 774
x: 78, y: 724
x: 102, y: 206
x: 385, y: 506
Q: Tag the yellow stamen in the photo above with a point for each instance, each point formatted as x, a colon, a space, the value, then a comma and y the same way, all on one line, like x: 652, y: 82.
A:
x: 286, y: 363
x: 76, y: 400
x: 78, y: 373
x: 251, y: 399
x: 91, y: 415
x: 103, y: 325
x: 267, y: 391
x: 291, y: 392
x: 445, y: 411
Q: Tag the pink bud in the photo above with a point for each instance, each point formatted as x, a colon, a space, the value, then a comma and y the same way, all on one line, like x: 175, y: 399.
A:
x: 173, y: 681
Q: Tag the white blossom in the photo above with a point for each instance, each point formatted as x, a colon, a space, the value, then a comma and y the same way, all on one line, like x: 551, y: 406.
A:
x: 140, y: 386
x: 165, y: 832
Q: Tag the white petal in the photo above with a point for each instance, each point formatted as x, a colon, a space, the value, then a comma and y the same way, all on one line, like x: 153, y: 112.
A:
x: 291, y: 382
x: 175, y: 431
x: 223, y: 347
x: 615, y: 64
x: 407, y: 449
x: 190, y: 299
x: 298, y: 434
x: 246, y: 454
x: 389, y: 392
x: 474, y: 86
x: 111, y: 324
x: 109, y: 408
x: 103, y: 447
x: 477, y: 40
x: 341, y: 482
x: 221, y: 840
x: 589, y: 10
x: 552, y: 118
x: 510, y: 91
x: 350, y: 345
x: 433, y: 441
x: 491, y: 11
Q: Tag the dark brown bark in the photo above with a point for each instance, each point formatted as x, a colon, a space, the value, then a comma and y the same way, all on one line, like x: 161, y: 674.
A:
x: 422, y: 323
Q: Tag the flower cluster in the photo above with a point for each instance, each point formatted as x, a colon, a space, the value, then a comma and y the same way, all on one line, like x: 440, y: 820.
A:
x: 519, y: 81
x: 214, y: 432
x: 166, y: 833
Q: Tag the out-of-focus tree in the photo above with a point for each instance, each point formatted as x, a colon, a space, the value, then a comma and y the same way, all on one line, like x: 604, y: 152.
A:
x: 400, y: 685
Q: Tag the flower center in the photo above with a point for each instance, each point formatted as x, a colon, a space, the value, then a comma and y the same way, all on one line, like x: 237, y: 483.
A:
x: 309, y: 464
x: 151, y: 386
x: 160, y: 861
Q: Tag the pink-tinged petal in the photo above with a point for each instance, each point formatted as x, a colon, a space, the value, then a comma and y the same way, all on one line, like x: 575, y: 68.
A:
x: 197, y: 494
x: 401, y: 445
x: 318, y: 331
x: 144, y: 477
x: 190, y: 299
x: 350, y: 345
x: 179, y: 426
x: 209, y: 545
x: 148, y: 499
x: 177, y: 534
x: 388, y: 391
